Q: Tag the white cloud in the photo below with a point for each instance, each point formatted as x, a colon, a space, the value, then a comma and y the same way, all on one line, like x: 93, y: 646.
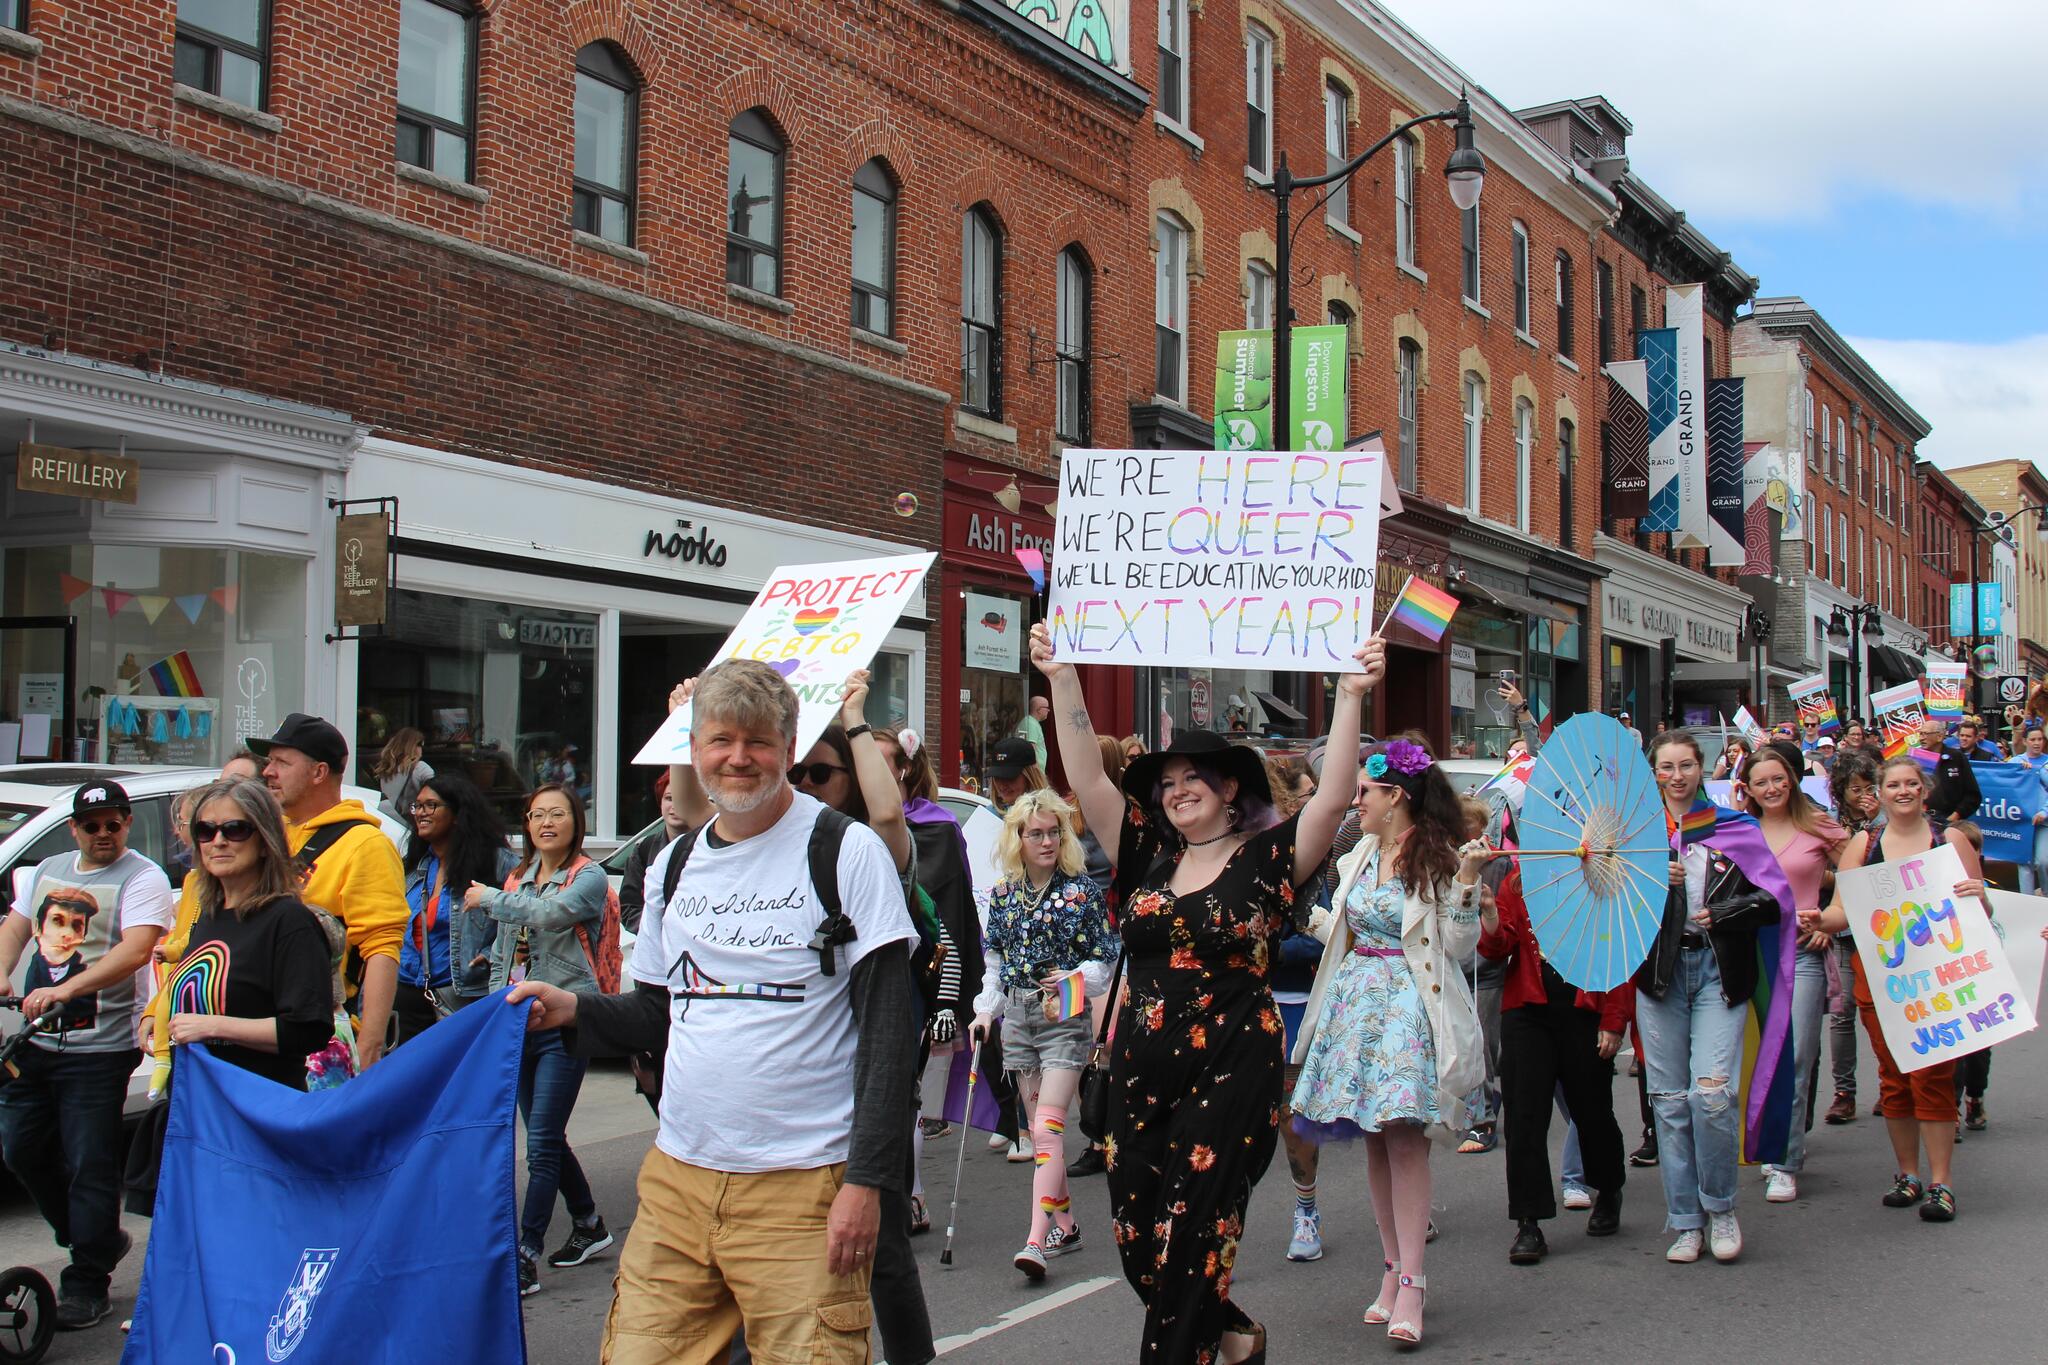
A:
x: 1776, y: 111
x: 1985, y: 401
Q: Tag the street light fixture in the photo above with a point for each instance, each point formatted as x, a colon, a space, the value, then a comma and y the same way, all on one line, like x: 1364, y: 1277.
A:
x: 1465, y: 175
x: 1978, y: 530
x: 1872, y: 629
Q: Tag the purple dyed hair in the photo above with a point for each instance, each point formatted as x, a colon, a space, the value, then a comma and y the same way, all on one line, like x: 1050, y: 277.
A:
x: 1254, y: 813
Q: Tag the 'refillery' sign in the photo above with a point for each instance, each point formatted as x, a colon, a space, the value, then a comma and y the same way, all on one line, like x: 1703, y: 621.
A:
x: 77, y: 473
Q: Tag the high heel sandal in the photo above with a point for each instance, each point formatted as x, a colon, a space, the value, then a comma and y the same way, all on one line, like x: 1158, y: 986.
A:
x: 1258, y: 1355
x: 1407, y: 1333
x: 1379, y: 1315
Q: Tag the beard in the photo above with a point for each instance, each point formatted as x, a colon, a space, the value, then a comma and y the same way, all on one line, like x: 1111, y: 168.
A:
x: 728, y: 794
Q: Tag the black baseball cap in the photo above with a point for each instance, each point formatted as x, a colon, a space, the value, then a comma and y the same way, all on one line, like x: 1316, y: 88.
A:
x: 1011, y: 757
x: 98, y: 796
x: 311, y: 736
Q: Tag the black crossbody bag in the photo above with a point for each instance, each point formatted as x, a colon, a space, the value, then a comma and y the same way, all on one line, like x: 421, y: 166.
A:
x: 1094, y: 1103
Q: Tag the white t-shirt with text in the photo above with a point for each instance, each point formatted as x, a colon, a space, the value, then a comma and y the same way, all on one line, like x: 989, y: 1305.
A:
x: 761, y: 1042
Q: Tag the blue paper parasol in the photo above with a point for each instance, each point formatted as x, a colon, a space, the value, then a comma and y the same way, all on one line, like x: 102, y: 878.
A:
x: 1596, y: 866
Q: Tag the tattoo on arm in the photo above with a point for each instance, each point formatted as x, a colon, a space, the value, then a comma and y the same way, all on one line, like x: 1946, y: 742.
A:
x: 1078, y: 718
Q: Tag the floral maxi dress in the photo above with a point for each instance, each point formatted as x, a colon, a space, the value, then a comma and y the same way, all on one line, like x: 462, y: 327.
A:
x: 1195, y: 1077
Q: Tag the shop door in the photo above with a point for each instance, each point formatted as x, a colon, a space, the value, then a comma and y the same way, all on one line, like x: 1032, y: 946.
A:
x: 653, y: 657
x: 38, y: 698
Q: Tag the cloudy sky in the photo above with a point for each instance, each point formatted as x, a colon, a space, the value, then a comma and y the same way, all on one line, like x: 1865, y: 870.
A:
x: 1884, y: 160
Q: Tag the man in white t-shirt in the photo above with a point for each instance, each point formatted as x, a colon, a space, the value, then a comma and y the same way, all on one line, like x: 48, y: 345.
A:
x: 88, y: 924
x: 789, y: 1059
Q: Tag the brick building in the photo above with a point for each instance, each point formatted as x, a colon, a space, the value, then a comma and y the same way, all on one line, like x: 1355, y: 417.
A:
x: 1675, y: 643
x: 2016, y: 492
x: 624, y: 301
x: 1460, y: 351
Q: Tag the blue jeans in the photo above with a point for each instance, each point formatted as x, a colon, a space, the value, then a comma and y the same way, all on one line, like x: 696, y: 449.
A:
x: 549, y: 1079
x: 1694, y: 1035
x: 1571, y: 1169
x: 2034, y: 875
x: 1809, y: 1008
x: 60, y: 1132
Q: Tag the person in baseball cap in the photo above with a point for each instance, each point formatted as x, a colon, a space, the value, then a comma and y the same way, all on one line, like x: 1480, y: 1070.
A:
x: 1012, y: 770
x: 99, y: 796
x: 311, y: 736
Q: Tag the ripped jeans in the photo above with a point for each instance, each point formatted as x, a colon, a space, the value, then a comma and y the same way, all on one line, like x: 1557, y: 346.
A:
x: 1692, y: 1049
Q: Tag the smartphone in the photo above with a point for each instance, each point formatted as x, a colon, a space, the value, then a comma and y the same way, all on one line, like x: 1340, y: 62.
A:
x: 1508, y: 677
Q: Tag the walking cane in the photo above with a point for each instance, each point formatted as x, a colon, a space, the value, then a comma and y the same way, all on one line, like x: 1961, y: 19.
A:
x: 960, y: 1162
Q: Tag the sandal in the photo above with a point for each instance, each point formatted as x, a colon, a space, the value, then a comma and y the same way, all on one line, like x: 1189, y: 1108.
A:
x: 1379, y: 1315
x: 1481, y: 1139
x: 1258, y: 1355
x: 1407, y: 1333
x: 1940, y: 1206
x: 1906, y: 1191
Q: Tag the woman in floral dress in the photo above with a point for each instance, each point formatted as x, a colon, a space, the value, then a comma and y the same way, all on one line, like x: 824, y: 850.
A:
x: 1391, y: 1041
x: 1208, y: 876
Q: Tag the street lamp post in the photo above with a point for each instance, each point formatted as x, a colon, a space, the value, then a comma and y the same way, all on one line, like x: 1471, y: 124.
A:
x: 1978, y: 530
x: 1464, y: 171
x: 1866, y: 619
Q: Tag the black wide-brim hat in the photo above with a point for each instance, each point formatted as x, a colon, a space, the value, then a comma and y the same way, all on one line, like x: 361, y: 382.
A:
x: 1240, y: 761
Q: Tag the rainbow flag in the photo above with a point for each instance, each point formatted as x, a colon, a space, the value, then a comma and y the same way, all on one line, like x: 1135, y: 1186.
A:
x: 1698, y: 822
x: 175, y: 676
x: 1424, y: 609
x: 1071, y: 995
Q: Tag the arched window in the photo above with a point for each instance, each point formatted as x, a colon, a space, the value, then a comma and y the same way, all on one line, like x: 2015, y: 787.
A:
x: 1339, y: 315
x: 753, y: 196
x: 607, y: 136
x: 1475, y: 419
x: 1408, y: 360
x: 1074, y: 321
x: 874, y: 249
x: 1567, y: 490
x: 1566, y: 329
x: 1170, y: 308
x: 1258, y: 295
x: 1525, y: 457
x: 981, y: 298
x: 1520, y: 265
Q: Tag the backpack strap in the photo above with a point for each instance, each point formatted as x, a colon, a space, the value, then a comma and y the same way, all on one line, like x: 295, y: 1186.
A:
x: 835, y: 930
x: 324, y: 838
x: 672, y: 875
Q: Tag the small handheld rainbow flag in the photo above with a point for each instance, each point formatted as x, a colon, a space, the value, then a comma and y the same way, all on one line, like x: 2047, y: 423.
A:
x: 1698, y: 822
x: 1070, y: 997
x: 1423, y: 608
x: 175, y: 676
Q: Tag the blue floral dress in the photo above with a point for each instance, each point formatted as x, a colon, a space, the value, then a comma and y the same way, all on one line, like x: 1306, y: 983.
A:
x: 1373, y: 1060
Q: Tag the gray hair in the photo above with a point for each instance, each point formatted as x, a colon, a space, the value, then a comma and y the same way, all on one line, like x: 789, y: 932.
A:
x: 748, y: 693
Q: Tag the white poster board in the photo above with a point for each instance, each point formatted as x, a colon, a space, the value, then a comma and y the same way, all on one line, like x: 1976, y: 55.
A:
x: 980, y: 830
x: 814, y: 624
x: 1228, y: 559
x: 1939, y: 975
x: 2023, y: 918
x: 992, y: 632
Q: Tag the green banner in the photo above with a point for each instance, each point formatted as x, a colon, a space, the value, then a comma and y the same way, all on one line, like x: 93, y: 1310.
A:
x: 1317, y: 410
x: 1244, y: 390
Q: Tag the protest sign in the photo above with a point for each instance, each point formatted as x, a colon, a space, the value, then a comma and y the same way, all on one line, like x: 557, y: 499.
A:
x: 1815, y: 703
x: 1898, y: 712
x: 1215, y: 558
x: 2023, y: 918
x: 1940, y: 978
x: 1749, y: 727
x: 814, y: 624
x: 1945, y: 689
x: 2012, y: 796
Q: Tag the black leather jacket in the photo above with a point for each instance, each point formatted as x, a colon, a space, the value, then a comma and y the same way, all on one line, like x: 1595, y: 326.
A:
x: 1736, y: 909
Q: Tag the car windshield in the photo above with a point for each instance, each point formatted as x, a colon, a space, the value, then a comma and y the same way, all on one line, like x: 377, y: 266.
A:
x: 11, y: 818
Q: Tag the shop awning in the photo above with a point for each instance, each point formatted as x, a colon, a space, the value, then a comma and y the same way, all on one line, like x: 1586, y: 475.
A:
x: 1515, y: 601
x: 1890, y: 667
x: 1276, y: 707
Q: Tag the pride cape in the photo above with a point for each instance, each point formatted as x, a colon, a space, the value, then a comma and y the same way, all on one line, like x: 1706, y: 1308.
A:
x: 1767, y: 1070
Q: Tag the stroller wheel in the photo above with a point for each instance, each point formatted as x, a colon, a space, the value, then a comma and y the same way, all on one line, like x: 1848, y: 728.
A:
x: 28, y: 1316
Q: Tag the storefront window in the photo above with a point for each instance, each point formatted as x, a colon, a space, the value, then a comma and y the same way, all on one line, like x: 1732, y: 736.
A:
x: 503, y: 693
x: 993, y: 627
x: 1267, y: 708
x: 889, y: 691
x: 183, y: 652
x: 1481, y: 724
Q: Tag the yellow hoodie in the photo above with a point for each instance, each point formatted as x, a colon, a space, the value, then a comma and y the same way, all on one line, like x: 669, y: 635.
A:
x: 360, y: 880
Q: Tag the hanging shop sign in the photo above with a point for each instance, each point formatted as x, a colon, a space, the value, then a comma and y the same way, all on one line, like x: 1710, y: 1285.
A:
x: 362, y: 569
x: 76, y: 473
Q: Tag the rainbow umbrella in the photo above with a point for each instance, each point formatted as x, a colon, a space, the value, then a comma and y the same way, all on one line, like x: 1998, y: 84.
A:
x: 1596, y: 857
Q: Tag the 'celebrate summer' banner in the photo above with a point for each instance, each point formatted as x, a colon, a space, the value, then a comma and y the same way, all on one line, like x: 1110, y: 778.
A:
x: 1937, y: 971
x: 814, y: 624
x: 1228, y: 559
x: 1244, y: 390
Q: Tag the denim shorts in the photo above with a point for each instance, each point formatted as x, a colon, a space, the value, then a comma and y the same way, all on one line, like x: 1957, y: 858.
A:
x: 1031, y: 1042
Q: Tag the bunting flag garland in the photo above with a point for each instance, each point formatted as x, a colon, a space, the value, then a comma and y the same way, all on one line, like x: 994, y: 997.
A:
x: 152, y: 606
x: 183, y: 727
x: 72, y: 588
x: 191, y: 603
x: 202, y: 726
x: 226, y: 597
x: 115, y: 600
x: 159, y: 726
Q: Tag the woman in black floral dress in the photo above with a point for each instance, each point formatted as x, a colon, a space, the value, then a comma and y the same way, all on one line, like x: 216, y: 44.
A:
x: 1208, y: 878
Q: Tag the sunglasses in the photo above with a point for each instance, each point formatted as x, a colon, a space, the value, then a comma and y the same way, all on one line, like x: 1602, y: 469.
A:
x: 110, y: 825
x: 818, y: 774
x: 234, y: 831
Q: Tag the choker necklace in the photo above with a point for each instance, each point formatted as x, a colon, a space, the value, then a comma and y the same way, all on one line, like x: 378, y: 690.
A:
x: 1204, y: 843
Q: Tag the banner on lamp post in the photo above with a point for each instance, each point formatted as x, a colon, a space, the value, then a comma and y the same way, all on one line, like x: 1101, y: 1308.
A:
x: 1659, y: 351
x: 1244, y: 390
x: 1627, y: 456
x: 1317, y: 411
x: 1959, y: 610
x: 1683, y: 316
x: 1726, y: 509
x: 1990, y: 608
x: 1763, y: 492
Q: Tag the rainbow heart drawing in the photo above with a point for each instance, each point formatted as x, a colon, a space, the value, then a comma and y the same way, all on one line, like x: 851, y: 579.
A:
x: 809, y: 620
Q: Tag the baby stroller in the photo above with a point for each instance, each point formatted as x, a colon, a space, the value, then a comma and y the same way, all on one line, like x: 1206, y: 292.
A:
x: 28, y: 1306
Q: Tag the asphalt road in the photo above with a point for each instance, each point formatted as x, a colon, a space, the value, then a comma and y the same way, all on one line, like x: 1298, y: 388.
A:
x: 1833, y: 1277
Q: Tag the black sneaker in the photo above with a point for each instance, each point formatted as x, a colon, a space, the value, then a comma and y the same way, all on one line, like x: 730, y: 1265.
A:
x: 1059, y: 1243
x: 76, y: 1312
x: 583, y: 1243
x: 1606, y: 1218
x: 529, y: 1274
x: 1090, y: 1162
x: 1529, y: 1247
x: 1645, y: 1155
x: 1906, y: 1191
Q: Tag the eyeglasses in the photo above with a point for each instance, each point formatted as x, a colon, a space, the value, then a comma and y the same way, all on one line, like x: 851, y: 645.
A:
x: 816, y: 774
x: 234, y: 831
x: 428, y: 807
x: 1677, y: 769
x: 1040, y: 836
x: 111, y: 825
x: 546, y: 817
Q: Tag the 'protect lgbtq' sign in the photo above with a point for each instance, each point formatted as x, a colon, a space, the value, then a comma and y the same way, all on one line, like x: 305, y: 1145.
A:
x: 1231, y: 559
x: 1937, y: 972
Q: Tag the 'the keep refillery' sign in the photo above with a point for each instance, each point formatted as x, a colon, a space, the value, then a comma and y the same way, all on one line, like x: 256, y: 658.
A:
x: 1937, y: 971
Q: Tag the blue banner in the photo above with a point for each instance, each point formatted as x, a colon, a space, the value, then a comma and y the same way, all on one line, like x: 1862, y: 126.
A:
x: 2013, y: 796
x: 372, y: 1223
x: 1959, y: 610
x: 1990, y: 606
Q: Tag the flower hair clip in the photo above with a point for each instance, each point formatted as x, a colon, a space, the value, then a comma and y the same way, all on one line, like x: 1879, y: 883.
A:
x: 1406, y: 758
x: 1376, y: 767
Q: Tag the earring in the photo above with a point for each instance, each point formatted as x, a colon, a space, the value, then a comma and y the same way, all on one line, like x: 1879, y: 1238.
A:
x: 1230, y: 814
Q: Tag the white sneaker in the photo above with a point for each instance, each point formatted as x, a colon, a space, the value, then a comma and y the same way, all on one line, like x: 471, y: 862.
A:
x: 1578, y: 1197
x: 1307, y: 1244
x: 1725, y: 1236
x: 1019, y: 1152
x: 997, y: 1142
x: 1686, y: 1249
x: 1780, y: 1187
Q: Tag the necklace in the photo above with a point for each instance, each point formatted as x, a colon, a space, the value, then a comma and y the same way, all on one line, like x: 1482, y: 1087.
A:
x: 1204, y: 843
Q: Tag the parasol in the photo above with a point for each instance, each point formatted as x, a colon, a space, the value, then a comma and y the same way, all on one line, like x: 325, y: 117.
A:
x: 1596, y: 861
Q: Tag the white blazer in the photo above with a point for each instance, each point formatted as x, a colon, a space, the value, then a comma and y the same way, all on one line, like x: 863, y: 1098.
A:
x: 1435, y: 946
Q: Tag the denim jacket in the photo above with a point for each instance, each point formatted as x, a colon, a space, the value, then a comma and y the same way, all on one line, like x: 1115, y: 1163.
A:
x: 470, y: 932
x: 548, y: 913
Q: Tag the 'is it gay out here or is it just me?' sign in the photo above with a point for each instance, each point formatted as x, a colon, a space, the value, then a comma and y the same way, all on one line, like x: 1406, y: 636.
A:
x: 1233, y: 559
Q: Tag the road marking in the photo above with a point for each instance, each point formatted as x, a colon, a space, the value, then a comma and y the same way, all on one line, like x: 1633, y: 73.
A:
x: 1020, y: 1315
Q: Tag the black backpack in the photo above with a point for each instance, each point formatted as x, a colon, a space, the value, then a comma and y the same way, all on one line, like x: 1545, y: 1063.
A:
x: 827, y: 835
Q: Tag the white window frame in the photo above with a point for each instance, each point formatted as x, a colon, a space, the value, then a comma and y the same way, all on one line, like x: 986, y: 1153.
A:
x: 1525, y: 458
x: 1812, y: 533
x: 1475, y: 424
x: 1408, y: 400
x: 1173, y: 39
x: 1258, y: 296
x: 1404, y: 199
x: 1812, y: 451
x: 1827, y: 444
x: 1471, y: 242
x: 1841, y: 453
x: 1337, y: 148
x: 1861, y: 581
x: 1519, y: 265
x: 1258, y: 85
x: 1170, y: 299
